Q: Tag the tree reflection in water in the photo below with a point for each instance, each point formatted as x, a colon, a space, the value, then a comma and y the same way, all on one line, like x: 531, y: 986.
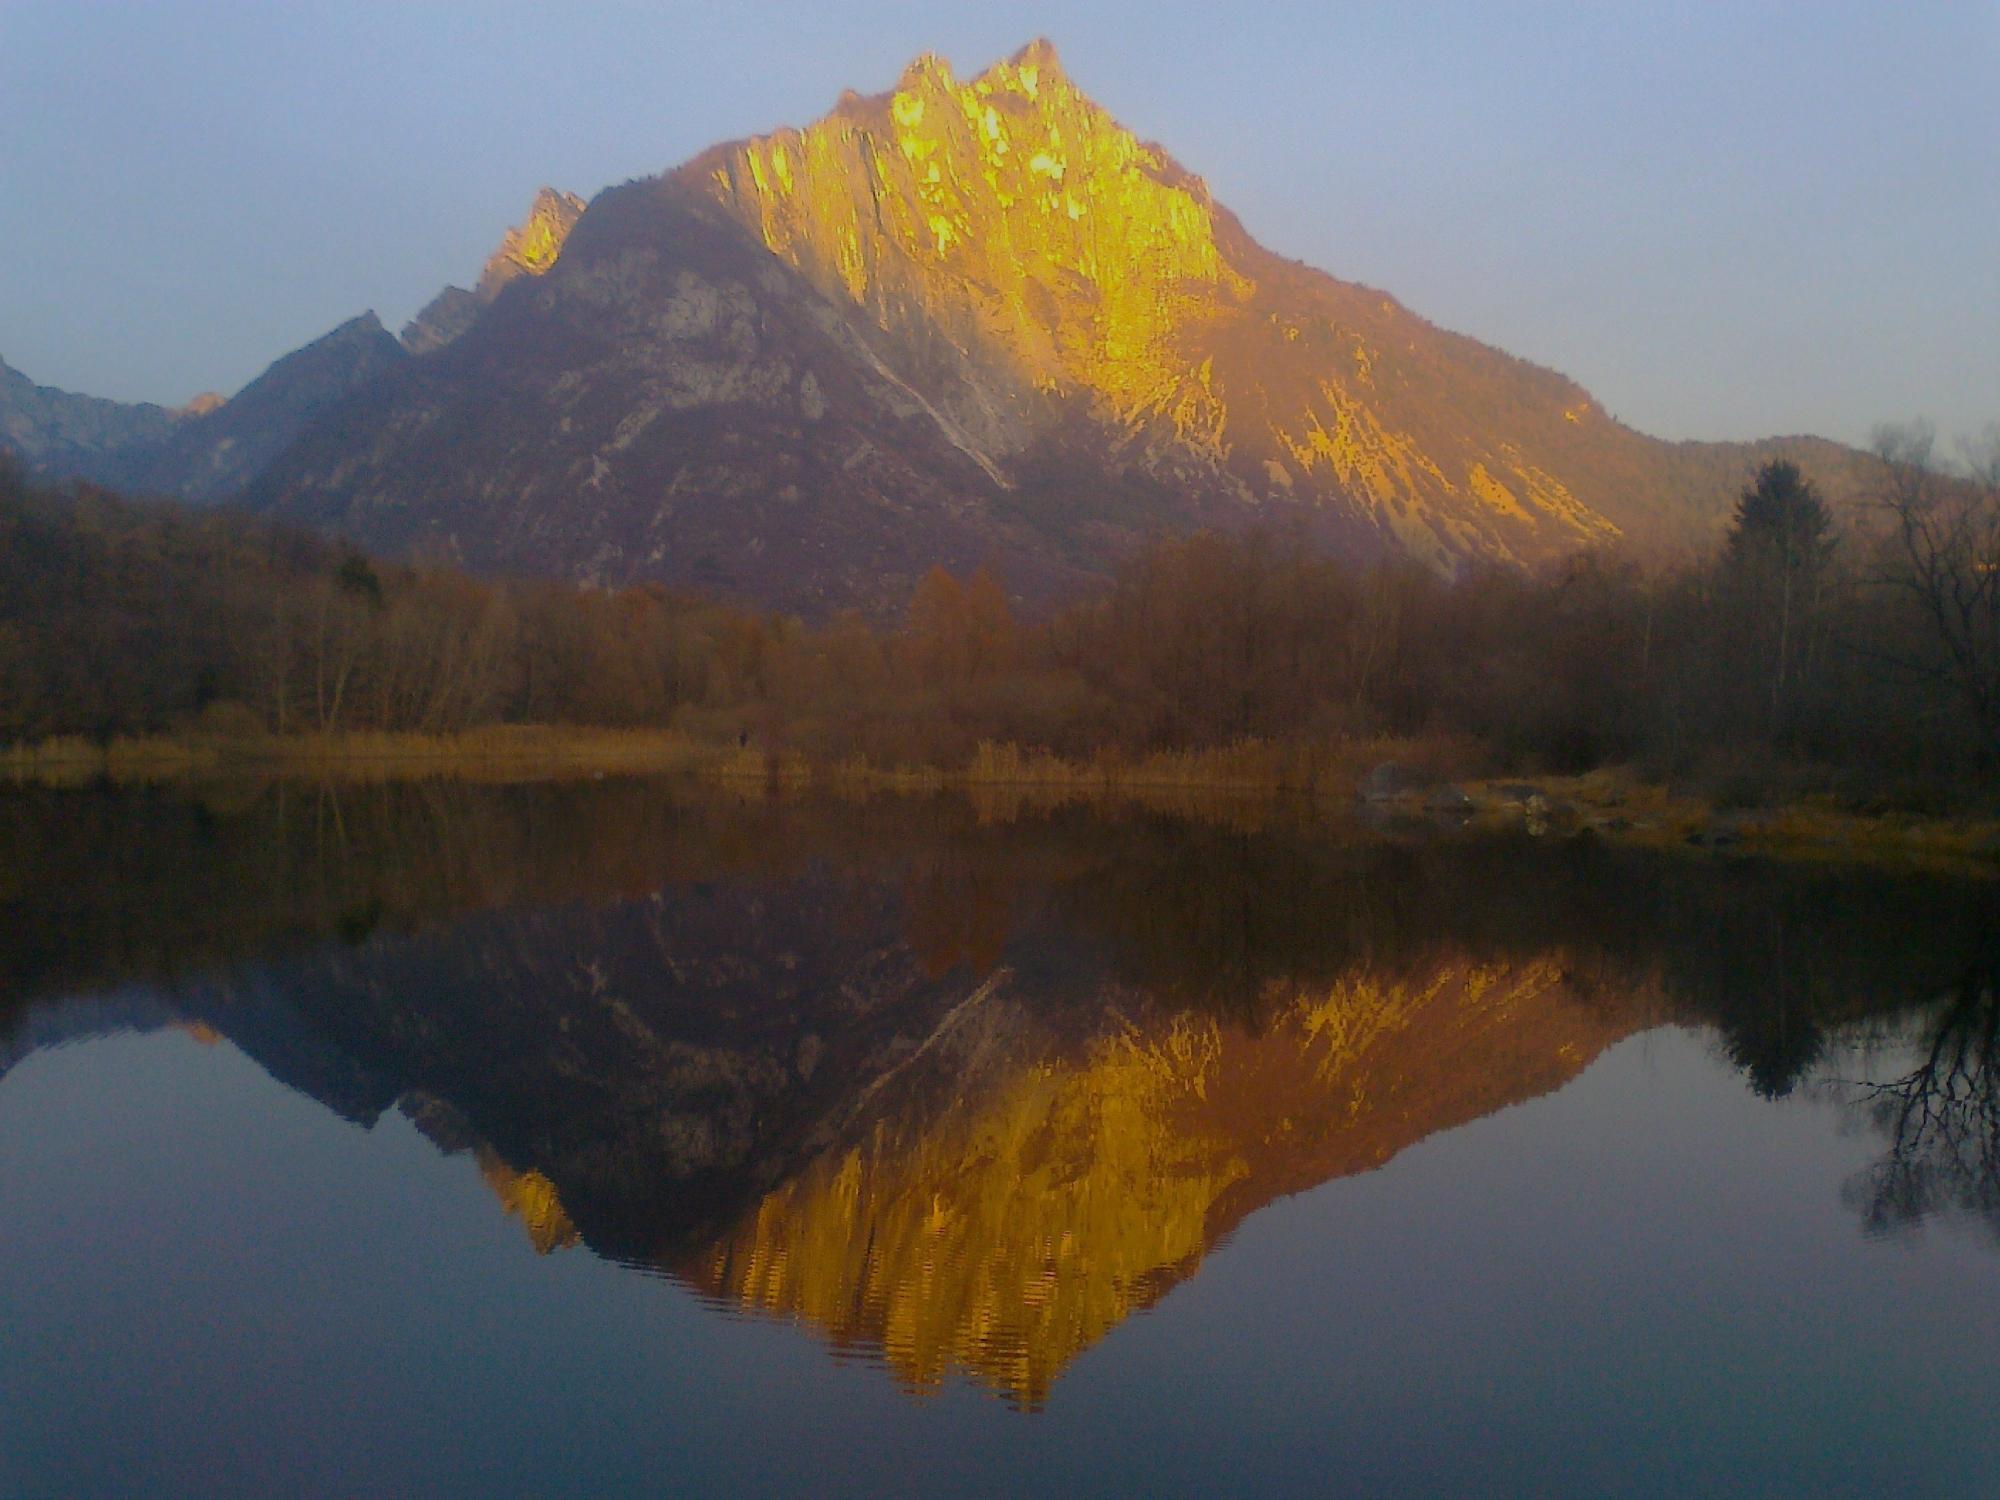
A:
x: 962, y: 1086
x: 1941, y: 1117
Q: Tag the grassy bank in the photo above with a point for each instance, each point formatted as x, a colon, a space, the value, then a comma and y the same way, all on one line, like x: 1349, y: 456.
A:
x: 1618, y: 805
x: 1436, y: 780
x: 1329, y: 769
x: 494, y: 753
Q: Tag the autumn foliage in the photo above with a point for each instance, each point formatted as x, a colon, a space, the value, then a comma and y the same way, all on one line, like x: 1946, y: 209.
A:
x: 1792, y: 653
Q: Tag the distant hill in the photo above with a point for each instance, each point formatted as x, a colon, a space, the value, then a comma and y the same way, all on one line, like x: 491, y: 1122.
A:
x: 211, y: 448
x: 215, y: 455
x: 60, y: 433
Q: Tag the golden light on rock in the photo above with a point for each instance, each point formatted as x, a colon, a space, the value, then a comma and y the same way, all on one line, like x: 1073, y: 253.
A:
x: 1049, y: 255
x: 989, y: 204
x: 532, y: 247
x: 531, y: 1198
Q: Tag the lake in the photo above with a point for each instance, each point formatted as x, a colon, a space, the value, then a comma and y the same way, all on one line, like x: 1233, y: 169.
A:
x: 628, y: 1137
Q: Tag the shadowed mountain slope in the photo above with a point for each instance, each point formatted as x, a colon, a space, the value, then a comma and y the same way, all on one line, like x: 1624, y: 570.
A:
x: 60, y: 433
x: 213, y: 456
x: 209, y: 449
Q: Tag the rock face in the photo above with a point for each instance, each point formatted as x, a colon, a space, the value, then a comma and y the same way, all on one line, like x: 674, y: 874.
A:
x: 529, y: 249
x: 962, y: 322
x: 532, y: 246
x: 444, y: 318
x: 1055, y: 282
x: 1040, y: 269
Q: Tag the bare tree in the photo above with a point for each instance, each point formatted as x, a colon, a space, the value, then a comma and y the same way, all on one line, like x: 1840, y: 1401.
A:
x: 1945, y: 531
x: 340, y: 635
x: 1941, y: 1118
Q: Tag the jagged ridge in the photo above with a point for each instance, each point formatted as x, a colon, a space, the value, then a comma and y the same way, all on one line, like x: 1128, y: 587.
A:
x: 967, y: 322
x: 959, y: 322
x: 530, y: 248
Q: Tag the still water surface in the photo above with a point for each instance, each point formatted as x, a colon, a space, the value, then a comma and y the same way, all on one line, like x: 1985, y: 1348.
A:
x: 620, y: 1139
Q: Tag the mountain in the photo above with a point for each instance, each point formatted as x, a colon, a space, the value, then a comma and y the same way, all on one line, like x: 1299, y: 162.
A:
x: 59, y: 434
x: 529, y: 249
x: 214, y: 455
x: 209, y: 449
x: 963, y: 322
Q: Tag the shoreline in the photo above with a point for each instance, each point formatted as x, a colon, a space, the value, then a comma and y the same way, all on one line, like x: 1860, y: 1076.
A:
x: 1378, y: 782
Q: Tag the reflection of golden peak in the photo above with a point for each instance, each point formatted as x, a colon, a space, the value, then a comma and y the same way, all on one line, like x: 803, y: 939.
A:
x: 1019, y: 1228
x: 531, y: 1198
x: 1008, y: 1238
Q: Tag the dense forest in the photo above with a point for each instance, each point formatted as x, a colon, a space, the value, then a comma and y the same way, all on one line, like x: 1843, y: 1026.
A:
x: 1857, y: 654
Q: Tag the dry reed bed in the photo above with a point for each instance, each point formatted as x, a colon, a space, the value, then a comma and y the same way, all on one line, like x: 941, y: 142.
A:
x: 1245, y: 782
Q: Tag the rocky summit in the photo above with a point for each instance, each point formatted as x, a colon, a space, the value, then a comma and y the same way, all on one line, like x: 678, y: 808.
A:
x: 967, y: 321
x: 529, y: 249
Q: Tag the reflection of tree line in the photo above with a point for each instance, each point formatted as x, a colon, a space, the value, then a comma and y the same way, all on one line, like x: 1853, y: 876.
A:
x: 137, y: 884
x: 134, y: 884
x: 1772, y: 957
x: 1224, y: 923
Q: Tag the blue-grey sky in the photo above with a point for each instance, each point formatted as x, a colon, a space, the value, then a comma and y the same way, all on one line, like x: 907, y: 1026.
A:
x: 1726, y: 220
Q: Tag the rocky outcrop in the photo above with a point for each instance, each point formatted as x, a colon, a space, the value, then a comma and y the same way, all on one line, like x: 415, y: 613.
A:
x: 444, y: 318
x: 530, y: 248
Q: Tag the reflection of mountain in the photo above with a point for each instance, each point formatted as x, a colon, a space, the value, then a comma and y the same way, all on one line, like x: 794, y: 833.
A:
x: 1016, y: 1224
x: 967, y: 1095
